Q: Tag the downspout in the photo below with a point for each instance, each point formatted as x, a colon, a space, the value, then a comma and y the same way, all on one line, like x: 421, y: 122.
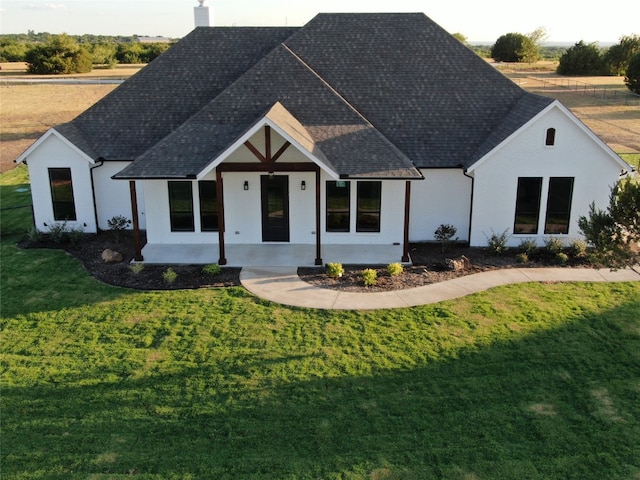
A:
x: 100, y: 162
x: 464, y: 172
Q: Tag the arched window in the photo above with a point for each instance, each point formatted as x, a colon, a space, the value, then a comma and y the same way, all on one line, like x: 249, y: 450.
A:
x: 550, y: 139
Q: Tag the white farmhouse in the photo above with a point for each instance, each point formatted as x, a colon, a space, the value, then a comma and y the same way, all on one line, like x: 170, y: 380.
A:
x: 355, y: 132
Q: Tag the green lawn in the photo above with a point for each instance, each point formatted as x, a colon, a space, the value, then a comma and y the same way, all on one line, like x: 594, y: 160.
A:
x: 523, y: 382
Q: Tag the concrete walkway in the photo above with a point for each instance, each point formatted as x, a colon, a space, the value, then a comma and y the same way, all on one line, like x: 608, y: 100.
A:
x: 282, y: 285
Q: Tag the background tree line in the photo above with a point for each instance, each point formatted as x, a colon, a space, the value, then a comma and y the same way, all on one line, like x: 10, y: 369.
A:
x: 47, y: 53
x: 623, y: 58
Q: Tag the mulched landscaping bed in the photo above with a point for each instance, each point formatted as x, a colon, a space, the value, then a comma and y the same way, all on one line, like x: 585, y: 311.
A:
x: 429, y: 266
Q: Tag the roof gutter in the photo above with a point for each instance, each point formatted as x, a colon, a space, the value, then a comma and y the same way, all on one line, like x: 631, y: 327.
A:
x: 98, y: 164
x: 473, y: 182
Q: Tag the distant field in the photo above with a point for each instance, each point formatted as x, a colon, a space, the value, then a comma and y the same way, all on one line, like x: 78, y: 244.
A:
x: 27, y: 111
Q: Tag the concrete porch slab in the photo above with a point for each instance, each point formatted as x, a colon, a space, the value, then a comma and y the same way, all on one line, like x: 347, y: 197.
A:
x: 271, y: 254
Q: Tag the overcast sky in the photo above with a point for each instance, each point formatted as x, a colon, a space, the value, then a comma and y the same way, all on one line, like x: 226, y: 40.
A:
x: 564, y: 20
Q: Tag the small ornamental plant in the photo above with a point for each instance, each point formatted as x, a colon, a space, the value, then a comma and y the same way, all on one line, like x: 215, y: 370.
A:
x: 497, y: 242
x: 554, y: 245
x: 170, y: 276
x: 117, y: 225
x: 579, y: 248
x: 528, y: 247
x: 369, y: 276
x: 561, y: 258
x: 395, y: 269
x: 212, y: 269
x: 335, y: 270
x: 444, y: 233
x: 136, y: 268
x: 522, y: 258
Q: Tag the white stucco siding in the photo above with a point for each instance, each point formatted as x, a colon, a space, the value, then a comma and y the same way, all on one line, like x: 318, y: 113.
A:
x: 243, y: 208
x: 53, y: 152
x: 113, y: 197
x: 576, y: 153
x: 443, y: 197
x: 243, y: 212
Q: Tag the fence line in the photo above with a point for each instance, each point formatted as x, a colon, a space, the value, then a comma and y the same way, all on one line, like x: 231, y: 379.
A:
x: 612, y: 94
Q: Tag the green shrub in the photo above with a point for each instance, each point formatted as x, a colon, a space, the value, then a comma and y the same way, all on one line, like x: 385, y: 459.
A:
x: 335, y: 270
x: 118, y: 224
x: 561, y: 258
x: 212, y: 269
x: 523, y: 258
x: 579, y: 248
x: 58, y: 232
x: 528, y: 247
x: 395, y: 269
x: 170, y: 276
x: 369, y: 276
x: 554, y: 245
x: 497, y: 242
x: 136, y: 268
x: 34, y: 235
x: 75, y: 235
x: 444, y: 233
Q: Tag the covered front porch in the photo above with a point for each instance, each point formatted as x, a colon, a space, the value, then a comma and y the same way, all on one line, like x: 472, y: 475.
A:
x: 274, y: 255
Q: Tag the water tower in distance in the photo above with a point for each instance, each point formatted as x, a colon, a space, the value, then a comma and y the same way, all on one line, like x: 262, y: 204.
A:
x: 201, y: 15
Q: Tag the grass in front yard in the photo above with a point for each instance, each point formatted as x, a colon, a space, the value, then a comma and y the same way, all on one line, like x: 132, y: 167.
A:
x: 536, y: 381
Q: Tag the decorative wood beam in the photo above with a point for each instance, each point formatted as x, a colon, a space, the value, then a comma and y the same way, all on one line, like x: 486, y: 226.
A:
x: 268, y: 167
x: 279, y: 153
x: 220, y: 198
x: 318, y: 222
x: 407, y: 209
x: 255, y: 151
x: 267, y: 142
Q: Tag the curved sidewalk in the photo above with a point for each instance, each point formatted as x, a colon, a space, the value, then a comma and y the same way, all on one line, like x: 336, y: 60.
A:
x: 282, y: 285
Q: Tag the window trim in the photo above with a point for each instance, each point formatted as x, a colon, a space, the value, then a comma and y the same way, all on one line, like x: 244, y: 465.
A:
x: 518, y: 204
x: 173, y: 210
x: 361, y: 224
x: 568, y: 201
x: 328, y: 212
x: 55, y: 203
x: 203, y: 228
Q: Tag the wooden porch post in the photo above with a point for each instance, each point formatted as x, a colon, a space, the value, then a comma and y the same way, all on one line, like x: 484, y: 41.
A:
x: 137, y: 247
x: 219, y: 193
x: 407, y: 208
x: 318, y: 222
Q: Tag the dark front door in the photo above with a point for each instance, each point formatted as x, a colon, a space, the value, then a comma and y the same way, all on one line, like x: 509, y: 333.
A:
x: 275, y: 208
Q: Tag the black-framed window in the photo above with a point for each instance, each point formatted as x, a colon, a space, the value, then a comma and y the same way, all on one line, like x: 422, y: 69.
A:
x: 558, y: 205
x: 181, y: 206
x: 64, y: 207
x: 527, y: 205
x: 208, y: 206
x: 368, y: 205
x: 338, y: 206
x: 550, y: 138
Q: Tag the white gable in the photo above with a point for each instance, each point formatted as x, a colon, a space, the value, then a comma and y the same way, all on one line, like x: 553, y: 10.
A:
x: 550, y: 115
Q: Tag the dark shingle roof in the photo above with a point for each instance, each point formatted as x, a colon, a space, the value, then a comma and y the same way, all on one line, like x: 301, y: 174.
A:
x: 156, y: 101
x: 349, y: 144
x: 377, y: 94
x: 431, y: 96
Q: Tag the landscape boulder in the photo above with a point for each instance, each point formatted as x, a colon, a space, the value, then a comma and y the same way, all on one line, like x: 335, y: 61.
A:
x: 111, y: 256
x: 463, y: 263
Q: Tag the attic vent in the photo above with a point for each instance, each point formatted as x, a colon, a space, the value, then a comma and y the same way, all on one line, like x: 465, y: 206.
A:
x: 550, y: 139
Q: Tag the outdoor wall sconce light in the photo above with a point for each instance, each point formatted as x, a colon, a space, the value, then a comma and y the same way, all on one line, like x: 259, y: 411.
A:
x: 246, y: 185
x: 303, y: 185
